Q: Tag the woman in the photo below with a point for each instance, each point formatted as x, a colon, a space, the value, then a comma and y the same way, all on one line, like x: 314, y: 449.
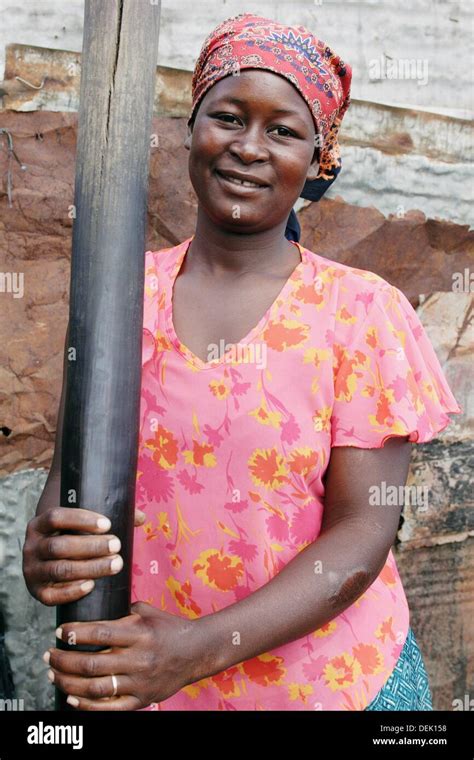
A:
x: 280, y: 392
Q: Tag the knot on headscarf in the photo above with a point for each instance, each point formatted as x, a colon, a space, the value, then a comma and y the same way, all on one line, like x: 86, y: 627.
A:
x: 321, y: 77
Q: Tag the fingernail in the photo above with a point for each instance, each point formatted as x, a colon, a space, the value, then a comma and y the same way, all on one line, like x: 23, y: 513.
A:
x: 51, y: 675
x: 104, y: 523
x: 114, y: 545
x: 87, y: 585
x: 59, y: 633
x: 47, y: 657
x: 73, y: 701
x: 116, y: 564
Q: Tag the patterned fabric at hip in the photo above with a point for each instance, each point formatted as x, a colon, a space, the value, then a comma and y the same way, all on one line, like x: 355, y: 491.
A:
x: 407, y: 687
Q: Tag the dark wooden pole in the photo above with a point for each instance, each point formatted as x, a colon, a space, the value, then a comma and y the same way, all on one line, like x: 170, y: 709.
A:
x: 101, y: 420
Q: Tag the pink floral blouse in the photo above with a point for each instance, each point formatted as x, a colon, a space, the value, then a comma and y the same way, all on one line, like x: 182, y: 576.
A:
x: 232, y: 454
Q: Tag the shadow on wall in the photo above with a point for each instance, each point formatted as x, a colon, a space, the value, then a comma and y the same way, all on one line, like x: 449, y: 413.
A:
x: 7, y: 689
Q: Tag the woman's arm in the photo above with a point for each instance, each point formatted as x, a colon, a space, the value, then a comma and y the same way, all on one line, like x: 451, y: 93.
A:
x: 327, y: 576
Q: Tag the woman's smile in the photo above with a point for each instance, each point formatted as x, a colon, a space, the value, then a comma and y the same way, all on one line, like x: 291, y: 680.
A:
x: 240, y: 187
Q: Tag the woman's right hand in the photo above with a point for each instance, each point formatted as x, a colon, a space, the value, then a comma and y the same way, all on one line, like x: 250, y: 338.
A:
x: 56, y: 565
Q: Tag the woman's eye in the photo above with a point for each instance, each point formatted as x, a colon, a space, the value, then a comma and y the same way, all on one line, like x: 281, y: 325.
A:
x: 288, y: 132
x: 223, y: 116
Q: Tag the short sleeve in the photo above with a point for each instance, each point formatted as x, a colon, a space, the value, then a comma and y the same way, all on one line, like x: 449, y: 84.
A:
x: 387, y: 377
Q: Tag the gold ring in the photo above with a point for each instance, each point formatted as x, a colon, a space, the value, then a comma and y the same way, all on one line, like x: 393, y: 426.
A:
x: 115, y: 685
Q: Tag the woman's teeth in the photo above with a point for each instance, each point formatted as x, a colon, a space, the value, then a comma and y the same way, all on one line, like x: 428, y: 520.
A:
x: 245, y: 183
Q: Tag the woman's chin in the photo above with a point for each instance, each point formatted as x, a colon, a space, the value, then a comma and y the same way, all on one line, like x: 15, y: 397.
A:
x: 247, y: 224
x: 236, y: 217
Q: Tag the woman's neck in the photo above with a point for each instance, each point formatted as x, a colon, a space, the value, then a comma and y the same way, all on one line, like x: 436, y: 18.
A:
x: 216, y: 251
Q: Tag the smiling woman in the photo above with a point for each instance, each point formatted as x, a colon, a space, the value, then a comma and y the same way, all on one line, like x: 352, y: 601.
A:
x: 279, y: 65
x: 248, y: 139
x: 263, y: 574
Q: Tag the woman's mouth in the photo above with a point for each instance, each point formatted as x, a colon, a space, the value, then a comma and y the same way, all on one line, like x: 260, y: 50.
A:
x: 240, y: 185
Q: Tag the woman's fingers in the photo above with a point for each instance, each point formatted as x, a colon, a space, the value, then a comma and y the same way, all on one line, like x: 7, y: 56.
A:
x: 91, y: 688
x: 60, y: 570
x: 125, y: 703
x: 87, y: 664
x: 60, y: 519
x: 62, y: 593
x: 123, y: 632
x: 64, y: 546
x: 67, y: 518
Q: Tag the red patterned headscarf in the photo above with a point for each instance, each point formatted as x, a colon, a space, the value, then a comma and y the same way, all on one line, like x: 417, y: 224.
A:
x: 247, y: 41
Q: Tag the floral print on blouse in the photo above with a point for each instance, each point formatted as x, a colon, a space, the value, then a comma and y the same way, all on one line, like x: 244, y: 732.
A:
x: 232, y: 454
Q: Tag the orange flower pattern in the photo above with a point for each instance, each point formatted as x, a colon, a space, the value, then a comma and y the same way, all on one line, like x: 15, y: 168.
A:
x: 232, y: 455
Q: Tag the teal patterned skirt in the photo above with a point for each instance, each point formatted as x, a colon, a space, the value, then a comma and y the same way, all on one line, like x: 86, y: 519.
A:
x: 407, y: 687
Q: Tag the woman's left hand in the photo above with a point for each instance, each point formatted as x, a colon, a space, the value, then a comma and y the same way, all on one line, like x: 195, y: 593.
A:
x: 151, y: 653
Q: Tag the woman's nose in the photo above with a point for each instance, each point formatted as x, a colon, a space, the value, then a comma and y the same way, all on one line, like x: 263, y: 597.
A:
x: 249, y: 146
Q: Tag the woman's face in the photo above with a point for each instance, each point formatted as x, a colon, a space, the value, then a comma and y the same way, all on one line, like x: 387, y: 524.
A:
x: 251, y: 137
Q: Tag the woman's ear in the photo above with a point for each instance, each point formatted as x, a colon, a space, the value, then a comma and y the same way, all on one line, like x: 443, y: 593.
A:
x: 313, y: 170
x: 189, y: 137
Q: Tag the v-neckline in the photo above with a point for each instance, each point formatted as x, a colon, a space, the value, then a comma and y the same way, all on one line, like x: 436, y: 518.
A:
x: 189, y: 355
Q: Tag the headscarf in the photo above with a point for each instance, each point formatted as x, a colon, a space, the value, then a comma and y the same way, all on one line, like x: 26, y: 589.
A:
x: 321, y: 77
